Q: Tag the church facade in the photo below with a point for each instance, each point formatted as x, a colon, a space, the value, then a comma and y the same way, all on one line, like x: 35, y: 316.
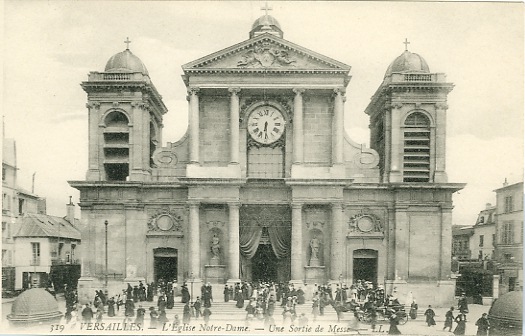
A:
x: 266, y: 184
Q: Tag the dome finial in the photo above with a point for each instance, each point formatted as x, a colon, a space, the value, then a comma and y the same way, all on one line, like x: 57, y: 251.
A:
x: 266, y: 8
x: 127, y: 43
x: 406, y: 43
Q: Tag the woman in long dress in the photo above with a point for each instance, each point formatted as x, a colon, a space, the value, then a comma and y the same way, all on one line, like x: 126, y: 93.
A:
x: 461, y: 320
x: 394, y: 321
x: 429, y: 313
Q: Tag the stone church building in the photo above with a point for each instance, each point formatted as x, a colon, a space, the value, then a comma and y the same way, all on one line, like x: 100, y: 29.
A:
x: 266, y: 183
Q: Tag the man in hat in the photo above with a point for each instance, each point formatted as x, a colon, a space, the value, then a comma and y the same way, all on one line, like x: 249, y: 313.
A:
x: 197, y: 306
x: 483, y: 325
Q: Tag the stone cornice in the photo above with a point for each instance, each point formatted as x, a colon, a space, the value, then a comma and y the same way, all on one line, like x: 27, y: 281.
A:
x: 319, y: 182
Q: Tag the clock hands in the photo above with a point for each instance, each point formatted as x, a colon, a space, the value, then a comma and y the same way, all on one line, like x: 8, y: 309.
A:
x: 266, y: 130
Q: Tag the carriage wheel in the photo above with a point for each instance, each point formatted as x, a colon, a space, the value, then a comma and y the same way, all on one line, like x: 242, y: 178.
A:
x: 403, y: 320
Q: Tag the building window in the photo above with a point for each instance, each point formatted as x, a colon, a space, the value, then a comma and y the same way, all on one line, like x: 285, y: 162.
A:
x: 507, y: 236
x: 416, y: 152
x: 21, y: 206
x: 480, y: 255
x: 509, y: 204
x: 266, y: 162
x: 3, y: 174
x: 35, y: 247
x: 481, y: 238
x: 481, y: 220
x: 493, y: 239
x: 508, y: 257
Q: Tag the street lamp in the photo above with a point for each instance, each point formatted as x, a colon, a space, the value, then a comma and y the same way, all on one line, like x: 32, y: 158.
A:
x: 341, y: 287
x: 106, y: 248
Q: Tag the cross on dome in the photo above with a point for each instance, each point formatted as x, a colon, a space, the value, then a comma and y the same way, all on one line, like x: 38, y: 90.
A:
x: 266, y: 8
x: 406, y: 43
x: 127, y: 43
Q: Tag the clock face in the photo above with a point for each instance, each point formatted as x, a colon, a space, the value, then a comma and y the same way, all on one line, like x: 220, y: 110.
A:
x: 266, y: 124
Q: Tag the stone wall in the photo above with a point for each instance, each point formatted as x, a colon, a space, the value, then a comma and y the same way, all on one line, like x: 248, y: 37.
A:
x: 214, y: 128
x: 317, y: 130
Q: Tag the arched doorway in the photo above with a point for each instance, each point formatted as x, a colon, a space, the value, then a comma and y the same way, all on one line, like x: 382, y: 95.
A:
x: 165, y: 263
x: 365, y: 265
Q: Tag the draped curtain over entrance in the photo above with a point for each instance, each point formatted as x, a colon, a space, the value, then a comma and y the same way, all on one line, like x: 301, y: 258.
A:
x: 280, y: 238
x: 249, y: 240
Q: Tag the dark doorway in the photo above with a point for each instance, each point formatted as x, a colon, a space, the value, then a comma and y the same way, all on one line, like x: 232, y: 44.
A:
x: 165, y: 264
x: 264, y: 264
x: 365, y: 265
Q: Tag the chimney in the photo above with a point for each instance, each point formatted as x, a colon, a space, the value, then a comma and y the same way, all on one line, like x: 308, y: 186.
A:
x: 505, y: 183
x: 488, y: 206
x: 70, y: 217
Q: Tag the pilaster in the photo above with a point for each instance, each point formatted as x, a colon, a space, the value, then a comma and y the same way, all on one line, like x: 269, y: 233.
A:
x: 401, y: 243
x: 94, y: 171
x: 297, y: 257
x: 194, y: 240
x: 233, y: 255
x: 337, y: 243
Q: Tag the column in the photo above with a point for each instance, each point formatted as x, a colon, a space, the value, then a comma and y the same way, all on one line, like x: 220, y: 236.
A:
x: 338, y: 126
x: 136, y: 136
x: 298, y: 131
x: 234, y: 126
x: 94, y: 130
x: 194, y: 240
x: 194, y: 124
x: 439, y: 137
x: 338, y: 239
x: 233, y: 255
x: 297, y: 243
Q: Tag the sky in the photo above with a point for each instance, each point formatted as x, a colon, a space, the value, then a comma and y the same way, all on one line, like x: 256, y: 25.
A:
x: 51, y: 46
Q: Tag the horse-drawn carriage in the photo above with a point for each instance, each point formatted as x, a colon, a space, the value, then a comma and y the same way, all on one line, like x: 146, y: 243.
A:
x: 382, y: 314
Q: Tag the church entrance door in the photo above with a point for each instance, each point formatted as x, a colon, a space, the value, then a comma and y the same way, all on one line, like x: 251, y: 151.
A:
x: 365, y: 265
x: 165, y: 262
x: 264, y: 264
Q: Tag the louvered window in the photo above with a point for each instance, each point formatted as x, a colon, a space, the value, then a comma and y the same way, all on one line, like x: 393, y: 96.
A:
x: 416, y: 151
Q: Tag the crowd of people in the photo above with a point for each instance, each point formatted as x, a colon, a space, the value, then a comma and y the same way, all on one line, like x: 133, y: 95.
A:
x: 260, y: 300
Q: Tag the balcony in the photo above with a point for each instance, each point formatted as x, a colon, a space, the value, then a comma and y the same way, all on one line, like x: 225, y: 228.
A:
x: 55, y: 262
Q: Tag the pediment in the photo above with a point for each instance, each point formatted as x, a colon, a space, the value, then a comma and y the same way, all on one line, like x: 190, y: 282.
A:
x: 266, y: 52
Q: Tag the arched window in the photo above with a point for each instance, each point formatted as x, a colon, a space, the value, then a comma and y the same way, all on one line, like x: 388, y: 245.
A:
x: 116, y: 119
x: 116, y: 146
x: 416, y: 150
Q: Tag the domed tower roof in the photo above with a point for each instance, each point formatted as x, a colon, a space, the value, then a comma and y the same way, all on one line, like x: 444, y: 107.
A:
x: 408, y: 62
x: 125, y: 61
x: 266, y: 24
x: 34, y: 305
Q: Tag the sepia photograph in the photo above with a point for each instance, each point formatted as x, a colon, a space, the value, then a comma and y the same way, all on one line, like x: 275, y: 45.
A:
x: 262, y: 167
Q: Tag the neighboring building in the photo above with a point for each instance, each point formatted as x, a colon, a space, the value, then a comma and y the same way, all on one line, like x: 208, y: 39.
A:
x: 266, y: 183
x: 483, y: 239
x: 461, y: 242
x: 472, y: 253
x: 509, y: 236
x: 47, y: 251
x: 15, y: 203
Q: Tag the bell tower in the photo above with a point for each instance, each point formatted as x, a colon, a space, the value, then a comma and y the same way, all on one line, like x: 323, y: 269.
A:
x: 408, y: 122
x: 125, y: 120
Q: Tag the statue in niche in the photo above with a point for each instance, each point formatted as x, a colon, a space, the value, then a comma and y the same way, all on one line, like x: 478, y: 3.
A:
x: 215, y: 247
x: 315, y: 244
